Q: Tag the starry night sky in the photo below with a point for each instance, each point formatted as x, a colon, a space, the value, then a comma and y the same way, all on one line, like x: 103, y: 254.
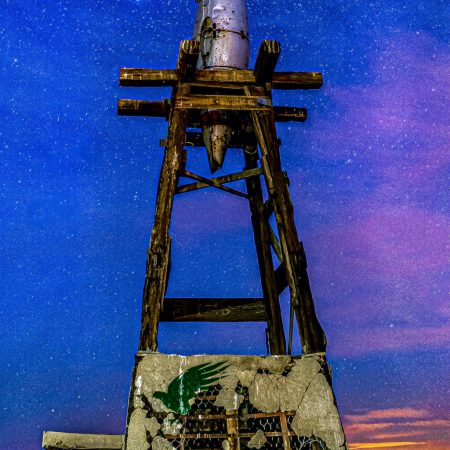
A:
x: 369, y: 182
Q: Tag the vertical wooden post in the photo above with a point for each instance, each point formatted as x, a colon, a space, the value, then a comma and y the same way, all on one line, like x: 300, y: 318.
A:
x: 233, y: 430
x: 277, y: 342
x: 285, y: 431
x: 311, y: 333
x: 158, y: 254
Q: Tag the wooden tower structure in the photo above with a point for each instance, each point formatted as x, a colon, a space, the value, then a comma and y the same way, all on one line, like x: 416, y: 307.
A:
x: 248, y: 93
x: 269, y: 402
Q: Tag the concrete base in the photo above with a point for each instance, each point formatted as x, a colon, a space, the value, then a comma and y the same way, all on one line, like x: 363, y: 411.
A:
x: 73, y: 441
x: 228, y: 402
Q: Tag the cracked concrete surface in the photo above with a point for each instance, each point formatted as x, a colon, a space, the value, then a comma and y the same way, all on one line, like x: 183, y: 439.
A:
x: 229, y: 399
x: 275, y: 383
x: 159, y: 443
x: 137, y: 430
x: 258, y: 440
x: 152, y: 426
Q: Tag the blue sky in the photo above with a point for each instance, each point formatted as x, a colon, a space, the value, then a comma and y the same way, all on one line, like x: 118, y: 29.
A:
x: 369, y: 182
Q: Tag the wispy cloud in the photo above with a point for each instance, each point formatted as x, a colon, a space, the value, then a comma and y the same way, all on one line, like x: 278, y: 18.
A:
x: 390, y: 413
x: 399, y: 435
x: 386, y: 244
x: 394, y: 427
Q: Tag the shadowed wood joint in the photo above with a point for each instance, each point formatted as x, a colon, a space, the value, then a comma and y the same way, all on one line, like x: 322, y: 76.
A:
x: 187, y: 59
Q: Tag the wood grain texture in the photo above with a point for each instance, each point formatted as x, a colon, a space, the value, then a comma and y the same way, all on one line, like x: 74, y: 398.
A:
x: 222, y: 102
x: 158, y: 254
x: 267, y: 59
x: 147, y: 108
x: 260, y: 224
x: 135, y: 77
x: 213, y: 182
x: 213, y: 310
x: 312, y: 336
x: 219, y: 180
x: 187, y: 59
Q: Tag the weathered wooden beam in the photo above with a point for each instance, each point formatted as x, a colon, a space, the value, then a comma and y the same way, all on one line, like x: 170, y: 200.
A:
x: 126, y: 107
x: 211, y: 183
x: 275, y: 243
x: 285, y: 431
x: 260, y: 224
x: 313, y: 338
x: 187, y: 59
x: 289, y: 114
x: 53, y: 440
x: 220, y: 180
x: 267, y: 59
x: 225, y: 102
x: 297, y: 80
x: 213, y: 310
x: 158, y: 255
x: 134, y: 77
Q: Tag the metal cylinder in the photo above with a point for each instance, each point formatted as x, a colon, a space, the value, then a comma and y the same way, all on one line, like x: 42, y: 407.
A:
x: 222, y: 29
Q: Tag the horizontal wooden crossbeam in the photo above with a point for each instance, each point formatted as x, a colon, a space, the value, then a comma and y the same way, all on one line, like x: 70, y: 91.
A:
x: 126, y: 107
x: 211, y: 183
x: 213, y: 310
x: 220, y: 180
x: 223, y: 102
x: 159, y: 78
x: 290, y: 114
x: 146, y: 108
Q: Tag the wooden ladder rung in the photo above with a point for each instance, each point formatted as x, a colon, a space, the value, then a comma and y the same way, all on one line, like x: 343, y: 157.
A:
x: 213, y: 310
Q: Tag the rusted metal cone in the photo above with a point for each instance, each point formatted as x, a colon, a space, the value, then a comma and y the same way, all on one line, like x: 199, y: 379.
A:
x: 217, y: 139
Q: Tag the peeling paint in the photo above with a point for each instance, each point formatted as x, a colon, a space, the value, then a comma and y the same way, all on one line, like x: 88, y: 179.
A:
x: 136, y: 429
x: 258, y: 440
x: 273, y: 385
x: 152, y: 426
x: 138, y: 385
x: 160, y: 443
x: 229, y: 399
x: 264, y: 393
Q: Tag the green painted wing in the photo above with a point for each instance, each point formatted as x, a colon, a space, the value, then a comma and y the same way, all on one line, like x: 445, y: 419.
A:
x: 183, y: 388
x: 195, y: 379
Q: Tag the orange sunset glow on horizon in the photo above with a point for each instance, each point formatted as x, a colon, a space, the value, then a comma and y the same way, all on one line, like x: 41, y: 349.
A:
x: 405, y: 428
